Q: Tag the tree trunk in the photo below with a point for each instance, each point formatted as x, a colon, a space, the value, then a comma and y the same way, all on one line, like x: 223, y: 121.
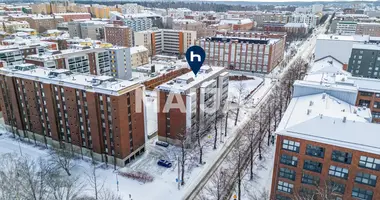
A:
x: 216, y: 132
x: 260, y: 156
x: 251, y: 158
x: 67, y: 171
x: 226, y: 125
x: 237, y: 116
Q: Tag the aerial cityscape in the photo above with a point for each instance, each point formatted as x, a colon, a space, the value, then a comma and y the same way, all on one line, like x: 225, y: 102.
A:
x: 199, y: 100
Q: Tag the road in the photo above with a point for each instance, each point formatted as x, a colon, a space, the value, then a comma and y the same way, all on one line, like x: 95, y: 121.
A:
x: 304, y: 51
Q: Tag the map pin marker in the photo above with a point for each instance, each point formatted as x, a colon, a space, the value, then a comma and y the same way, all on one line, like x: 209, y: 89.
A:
x: 195, y: 56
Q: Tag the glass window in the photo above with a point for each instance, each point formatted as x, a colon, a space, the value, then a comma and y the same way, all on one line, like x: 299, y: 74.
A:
x: 312, y: 166
x: 338, y: 172
x: 315, y: 151
x: 368, y: 162
x: 309, y: 179
x: 279, y: 197
x: 365, y: 178
x: 337, y: 187
x: 285, y: 187
x: 287, y: 173
x: 289, y: 160
x: 364, y: 103
x: 342, y: 157
x: 368, y: 94
x: 362, y: 193
x: 291, y: 145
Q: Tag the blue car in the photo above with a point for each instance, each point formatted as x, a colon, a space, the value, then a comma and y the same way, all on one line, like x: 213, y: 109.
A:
x: 164, y: 163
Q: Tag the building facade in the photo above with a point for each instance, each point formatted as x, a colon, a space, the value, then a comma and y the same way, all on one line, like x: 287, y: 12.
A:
x: 254, y: 54
x: 194, y: 99
x: 365, y: 61
x: 119, y: 35
x: 67, y: 17
x: 346, y: 28
x: 165, y: 41
x: 372, y: 29
x: 93, y: 116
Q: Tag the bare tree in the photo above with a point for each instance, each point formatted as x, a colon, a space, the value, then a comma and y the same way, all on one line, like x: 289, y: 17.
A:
x: 109, y: 195
x: 217, y: 186
x: 239, y: 98
x: 185, y: 152
x: 94, y: 181
x: 65, y: 188
x: 62, y: 159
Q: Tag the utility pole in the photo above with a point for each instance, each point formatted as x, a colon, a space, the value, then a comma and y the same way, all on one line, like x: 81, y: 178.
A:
x: 179, y: 174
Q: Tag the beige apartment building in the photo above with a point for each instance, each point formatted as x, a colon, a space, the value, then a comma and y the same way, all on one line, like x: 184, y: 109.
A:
x: 139, y: 56
x: 12, y: 26
x: 191, y: 25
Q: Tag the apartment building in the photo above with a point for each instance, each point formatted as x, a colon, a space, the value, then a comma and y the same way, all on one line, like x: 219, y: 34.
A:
x: 261, y: 17
x: 296, y: 28
x: 94, y: 116
x: 238, y: 24
x: 87, y: 29
x: 121, y: 62
x: 119, y: 35
x: 191, y: 25
x: 187, y: 101
x: 371, y: 29
x: 252, y: 54
x: 94, y: 61
x: 139, y: 56
x: 311, y: 20
x: 346, y: 28
x: 12, y: 26
x: 131, y: 8
x: 365, y: 61
x: 40, y: 23
x: 14, y: 54
x: 165, y: 41
x: 329, y: 158
x: 67, y: 17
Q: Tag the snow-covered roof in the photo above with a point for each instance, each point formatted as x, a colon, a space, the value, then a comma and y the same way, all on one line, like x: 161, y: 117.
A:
x: 99, y: 84
x: 138, y: 49
x: 327, y: 64
x: 184, y: 21
x: 63, y: 14
x: 350, y: 134
x: 235, y: 21
x: 356, y: 38
x: 366, y: 46
x: 366, y: 84
x: 184, y: 82
x: 304, y: 108
x: 297, y: 25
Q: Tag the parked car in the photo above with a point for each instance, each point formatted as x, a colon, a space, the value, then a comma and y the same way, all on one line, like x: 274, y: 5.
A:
x: 161, y: 143
x: 164, y: 163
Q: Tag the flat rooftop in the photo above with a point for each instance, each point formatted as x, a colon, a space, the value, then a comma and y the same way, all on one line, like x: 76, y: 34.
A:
x: 184, y: 82
x: 356, y: 38
x: 53, y: 55
x: 261, y: 40
x: 357, y: 135
x: 366, y: 46
x: 99, y: 84
x: 307, y: 107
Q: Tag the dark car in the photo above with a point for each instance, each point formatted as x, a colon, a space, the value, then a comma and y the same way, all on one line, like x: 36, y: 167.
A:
x: 164, y: 163
x: 161, y: 143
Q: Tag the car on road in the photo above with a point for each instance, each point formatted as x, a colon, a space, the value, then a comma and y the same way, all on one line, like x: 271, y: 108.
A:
x: 164, y: 163
x: 161, y: 143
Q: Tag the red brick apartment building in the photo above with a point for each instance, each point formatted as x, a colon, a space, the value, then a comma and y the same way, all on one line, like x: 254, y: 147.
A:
x: 252, y: 54
x: 193, y: 92
x: 95, y: 115
x: 369, y: 95
x: 118, y: 35
x: 326, y: 145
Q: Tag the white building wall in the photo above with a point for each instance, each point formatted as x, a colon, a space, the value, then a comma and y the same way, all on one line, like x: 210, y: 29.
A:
x: 339, y: 49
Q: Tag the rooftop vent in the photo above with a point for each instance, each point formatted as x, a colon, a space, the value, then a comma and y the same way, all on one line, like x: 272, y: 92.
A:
x: 308, y: 111
x: 344, y: 119
x: 311, y: 103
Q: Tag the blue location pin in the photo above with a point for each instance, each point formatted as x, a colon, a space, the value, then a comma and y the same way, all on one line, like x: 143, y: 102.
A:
x: 195, y: 56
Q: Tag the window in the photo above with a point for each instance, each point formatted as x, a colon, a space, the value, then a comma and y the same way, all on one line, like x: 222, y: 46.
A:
x: 377, y: 95
x: 309, y: 179
x: 315, y: 151
x: 376, y: 104
x: 285, y: 187
x: 368, y: 162
x: 338, y: 172
x: 279, y: 197
x: 342, y: 157
x: 291, y: 145
x: 337, y: 187
x: 289, y: 160
x: 312, y: 166
x: 376, y: 115
x: 368, y: 94
x: 364, y: 103
x: 287, y: 173
x: 365, y: 178
x: 362, y: 193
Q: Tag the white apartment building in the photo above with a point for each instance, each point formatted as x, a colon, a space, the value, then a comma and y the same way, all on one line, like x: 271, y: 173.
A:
x: 165, y: 40
x: 91, y: 61
x: 139, y: 56
x: 346, y: 28
x: 131, y: 8
x: 311, y: 20
x: 179, y: 13
x: 120, y: 61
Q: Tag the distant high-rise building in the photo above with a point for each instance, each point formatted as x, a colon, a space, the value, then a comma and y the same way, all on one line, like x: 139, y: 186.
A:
x: 118, y: 35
